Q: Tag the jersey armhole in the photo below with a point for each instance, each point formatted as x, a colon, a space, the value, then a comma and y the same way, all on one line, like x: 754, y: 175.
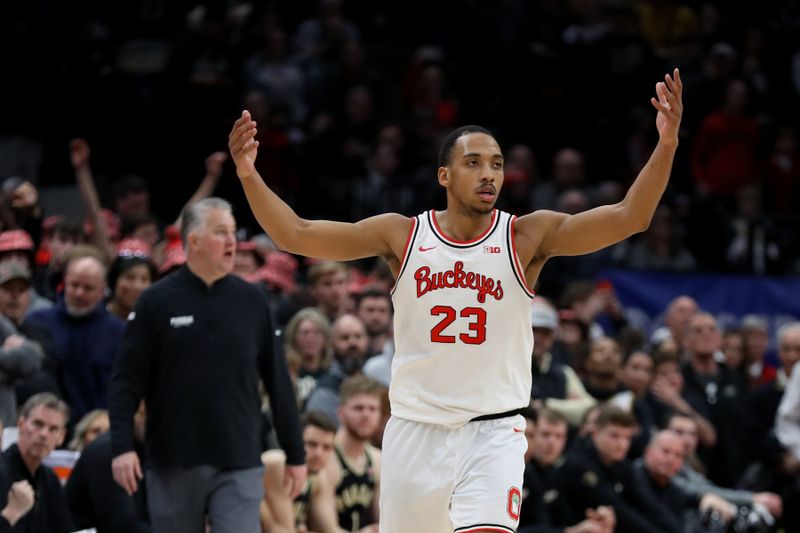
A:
x: 516, y: 266
x: 412, y: 235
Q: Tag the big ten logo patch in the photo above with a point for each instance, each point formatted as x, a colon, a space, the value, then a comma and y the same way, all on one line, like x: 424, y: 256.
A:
x: 491, y: 249
x: 514, y: 502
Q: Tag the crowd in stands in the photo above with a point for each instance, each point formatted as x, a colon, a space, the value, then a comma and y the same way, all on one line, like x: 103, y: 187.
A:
x: 626, y: 430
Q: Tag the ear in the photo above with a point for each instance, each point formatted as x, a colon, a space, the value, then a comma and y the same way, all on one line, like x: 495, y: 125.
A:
x: 444, y: 176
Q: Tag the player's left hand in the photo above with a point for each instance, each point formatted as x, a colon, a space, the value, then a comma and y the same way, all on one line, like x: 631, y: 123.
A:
x: 670, y: 107
x: 294, y: 478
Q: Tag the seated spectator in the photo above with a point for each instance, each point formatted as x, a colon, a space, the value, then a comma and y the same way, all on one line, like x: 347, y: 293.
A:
x: 307, y: 344
x: 95, y: 500
x: 355, y: 469
x: 555, y: 385
x: 315, y: 508
x: 602, y: 369
x: 20, y: 357
x: 636, y: 376
x: 64, y: 235
x: 694, y: 483
x: 129, y: 274
x: 787, y: 428
x: 733, y: 350
x: 15, y: 299
x: 92, y: 425
x: 327, y: 281
x: 374, y: 308
x: 717, y: 394
x: 17, y: 245
x: 349, y: 341
x: 676, y: 321
x: 654, y: 475
x: 758, y: 363
x: 86, y: 335
x: 31, y: 497
x: 596, y: 473
x: 774, y: 466
x: 666, y: 395
x: 544, y: 507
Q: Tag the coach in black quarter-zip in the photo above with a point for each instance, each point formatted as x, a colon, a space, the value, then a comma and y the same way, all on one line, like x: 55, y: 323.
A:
x: 194, y: 349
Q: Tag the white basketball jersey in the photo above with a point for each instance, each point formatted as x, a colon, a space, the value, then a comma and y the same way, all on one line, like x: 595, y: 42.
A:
x: 462, y: 325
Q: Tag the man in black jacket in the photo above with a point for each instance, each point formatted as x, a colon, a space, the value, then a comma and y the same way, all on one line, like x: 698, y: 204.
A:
x: 95, y: 500
x: 596, y: 473
x: 194, y: 348
x: 31, y: 497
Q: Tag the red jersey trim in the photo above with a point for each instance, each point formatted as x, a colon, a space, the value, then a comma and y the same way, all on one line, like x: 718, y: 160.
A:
x: 412, y: 233
x: 449, y: 240
x: 518, y: 270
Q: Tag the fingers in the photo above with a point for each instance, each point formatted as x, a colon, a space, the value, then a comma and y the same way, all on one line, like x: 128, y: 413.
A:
x: 242, y: 136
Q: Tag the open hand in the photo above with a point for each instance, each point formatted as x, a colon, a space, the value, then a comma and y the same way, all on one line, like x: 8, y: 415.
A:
x: 243, y: 145
x: 670, y: 107
x: 79, y: 153
x: 214, y: 163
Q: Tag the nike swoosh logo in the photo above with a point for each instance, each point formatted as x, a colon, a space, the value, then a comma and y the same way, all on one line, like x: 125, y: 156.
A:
x: 517, y: 430
x: 423, y: 249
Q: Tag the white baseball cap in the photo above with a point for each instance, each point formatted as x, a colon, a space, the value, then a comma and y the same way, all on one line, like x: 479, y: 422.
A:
x: 543, y: 315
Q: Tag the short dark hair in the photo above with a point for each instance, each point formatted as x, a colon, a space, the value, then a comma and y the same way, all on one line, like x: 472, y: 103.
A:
x: 120, y: 265
x: 552, y: 417
x: 446, y: 152
x: 130, y: 223
x: 127, y: 184
x: 611, y: 415
x: 319, y: 420
x: 360, y: 384
x: 372, y: 292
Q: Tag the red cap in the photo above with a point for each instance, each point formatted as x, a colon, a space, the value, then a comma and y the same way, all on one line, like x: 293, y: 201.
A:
x: 15, y: 239
x: 279, y: 271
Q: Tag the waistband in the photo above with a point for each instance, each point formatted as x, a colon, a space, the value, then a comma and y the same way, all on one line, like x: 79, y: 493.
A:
x: 495, y: 416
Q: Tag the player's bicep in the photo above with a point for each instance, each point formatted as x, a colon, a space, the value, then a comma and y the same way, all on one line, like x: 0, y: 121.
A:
x: 584, y: 232
x: 343, y: 241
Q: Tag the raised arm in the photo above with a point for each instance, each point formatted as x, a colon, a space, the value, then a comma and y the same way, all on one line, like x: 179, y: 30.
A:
x: 79, y: 152
x: 545, y: 234
x: 382, y: 235
x: 206, y: 188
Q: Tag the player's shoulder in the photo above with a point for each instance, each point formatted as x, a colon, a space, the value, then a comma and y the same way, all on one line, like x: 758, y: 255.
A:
x: 389, y: 222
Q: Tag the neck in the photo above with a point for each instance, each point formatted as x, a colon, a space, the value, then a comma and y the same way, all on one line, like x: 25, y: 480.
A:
x: 660, y: 480
x: 377, y: 342
x: 311, y: 362
x: 207, y: 274
x: 31, y: 463
x: 602, y: 381
x: 116, y: 308
x: 352, y: 446
x: 704, y: 363
x: 463, y: 224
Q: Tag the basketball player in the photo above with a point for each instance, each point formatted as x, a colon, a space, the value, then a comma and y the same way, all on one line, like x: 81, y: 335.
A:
x: 454, y: 447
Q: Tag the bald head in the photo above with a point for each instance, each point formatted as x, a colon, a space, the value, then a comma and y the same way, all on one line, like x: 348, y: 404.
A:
x: 664, y: 456
x: 84, y: 284
x: 350, y: 342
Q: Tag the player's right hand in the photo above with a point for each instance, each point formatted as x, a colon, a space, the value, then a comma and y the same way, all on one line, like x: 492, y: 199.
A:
x: 127, y: 471
x: 243, y: 145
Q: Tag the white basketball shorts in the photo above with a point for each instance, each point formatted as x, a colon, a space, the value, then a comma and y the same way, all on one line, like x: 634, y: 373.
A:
x: 440, y: 480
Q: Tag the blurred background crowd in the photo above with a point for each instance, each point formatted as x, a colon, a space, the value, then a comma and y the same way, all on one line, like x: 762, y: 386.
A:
x: 114, y: 115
